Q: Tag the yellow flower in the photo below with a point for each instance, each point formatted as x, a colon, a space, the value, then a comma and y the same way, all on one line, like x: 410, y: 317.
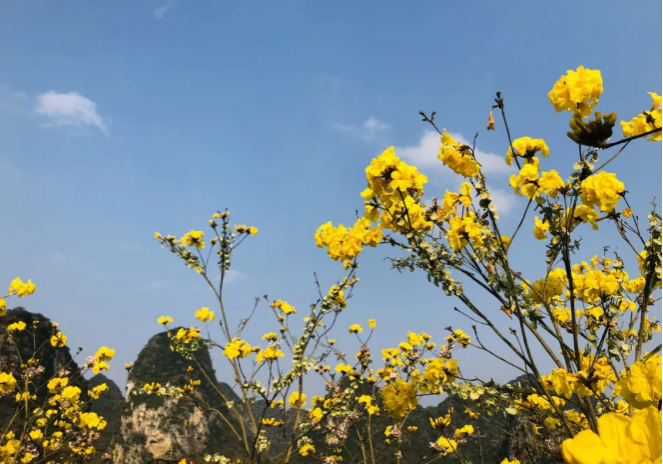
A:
x: 457, y: 157
x: 246, y: 230
x: 297, y: 400
x: 307, y: 450
x: 21, y: 289
x: 578, y: 90
x: 464, y: 431
x: 642, y: 386
x: 561, y: 314
x: 526, y: 182
x: 315, y: 415
x: 71, y: 393
x: 3, y: 307
x: 584, y: 214
x: 346, y: 243
x: 237, y: 349
x: 152, y: 387
x: 460, y: 337
x: 96, y: 391
x: 506, y: 461
x: 194, y: 239
x: 602, y: 190
x: 446, y: 445
x: 371, y: 323
x: 188, y: 335
x: 441, y: 422
x: 646, y: 122
x: 472, y: 414
x: 91, y: 420
x: 284, y: 306
x: 621, y: 439
x: 16, y: 326
x: 627, y: 213
x: 165, y: 320
x: 36, y: 434
x: 271, y: 336
x: 56, y: 384
x: 59, y: 340
x: 399, y: 398
x: 7, y: 382
x: 343, y: 369
x: 527, y: 147
x: 105, y: 354
x: 551, y: 183
x: 355, y: 328
x: 204, y: 315
x: 464, y: 230
x: 270, y: 354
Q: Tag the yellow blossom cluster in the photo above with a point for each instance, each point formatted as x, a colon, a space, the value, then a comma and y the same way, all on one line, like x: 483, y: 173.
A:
x: 646, y: 121
x: 641, y: 387
x: 464, y: 231
x: 578, y: 90
x: 457, y: 157
x: 346, y: 244
x: 194, y: 239
x: 620, y: 439
x: 526, y: 147
x: 603, y: 190
x: 237, y: 348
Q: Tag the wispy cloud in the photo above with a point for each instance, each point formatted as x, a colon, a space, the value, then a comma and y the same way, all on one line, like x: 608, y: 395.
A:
x: 55, y: 258
x: 12, y: 100
x: 71, y: 110
x: 503, y: 200
x: 156, y: 285
x: 424, y: 155
x: 333, y: 83
x: 231, y: 277
x: 160, y: 12
x: 370, y: 130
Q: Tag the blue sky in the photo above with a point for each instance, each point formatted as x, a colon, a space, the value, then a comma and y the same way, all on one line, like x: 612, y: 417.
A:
x: 121, y: 118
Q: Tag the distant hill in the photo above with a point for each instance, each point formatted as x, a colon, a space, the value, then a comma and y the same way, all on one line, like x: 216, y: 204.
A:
x: 52, y: 359
x: 110, y: 406
x: 142, y: 428
x: 154, y: 427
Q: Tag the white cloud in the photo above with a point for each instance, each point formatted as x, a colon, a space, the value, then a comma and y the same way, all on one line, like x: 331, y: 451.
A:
x: 503, y: 200
x: 333, y: 82
x: 424, y: 155
x: 369, y: 130
x: 233, y: 276
x: 70, y: 109
x: 160, y: 12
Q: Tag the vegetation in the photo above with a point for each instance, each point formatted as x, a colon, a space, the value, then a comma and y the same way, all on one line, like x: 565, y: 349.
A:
x: 590, y: 318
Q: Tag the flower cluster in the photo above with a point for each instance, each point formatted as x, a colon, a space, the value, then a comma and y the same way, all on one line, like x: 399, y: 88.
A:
x: 579, y: 90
